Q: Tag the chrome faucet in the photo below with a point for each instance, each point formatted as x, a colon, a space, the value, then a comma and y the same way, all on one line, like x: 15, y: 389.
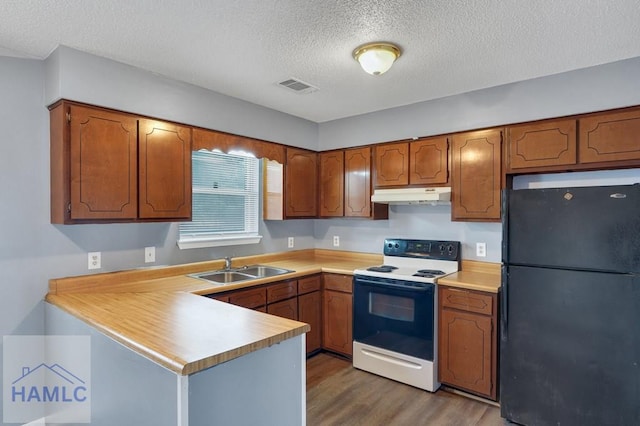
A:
x: 227, y: 263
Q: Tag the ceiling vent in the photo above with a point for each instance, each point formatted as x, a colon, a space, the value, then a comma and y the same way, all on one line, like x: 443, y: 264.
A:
x: 298, y: 86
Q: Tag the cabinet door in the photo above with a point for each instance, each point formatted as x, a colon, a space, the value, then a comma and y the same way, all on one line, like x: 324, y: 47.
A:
x: 331, y: 183
x: 392, y: 164
x: 357, y: 186
x: 476, y: 175
x: 465, y: 351
x: 429, y: 161
x: 337, y: 322
x: 103, y: 159
x: 165, y: 170
x: 610, y: 137
x: 300, y: 183
x: 549, y: 143
x: 310, y: 311
x: 285, y: 309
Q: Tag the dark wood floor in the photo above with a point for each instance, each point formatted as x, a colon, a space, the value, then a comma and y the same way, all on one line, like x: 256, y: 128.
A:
x: 338, y: 394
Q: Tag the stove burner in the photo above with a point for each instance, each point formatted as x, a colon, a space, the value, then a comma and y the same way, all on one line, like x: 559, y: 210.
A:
x: 428, y: 273
x: 382, y: 268
x: 423, y: 275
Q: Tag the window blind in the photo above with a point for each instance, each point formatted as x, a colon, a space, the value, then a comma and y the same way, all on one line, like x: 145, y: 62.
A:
x: 225, y: 198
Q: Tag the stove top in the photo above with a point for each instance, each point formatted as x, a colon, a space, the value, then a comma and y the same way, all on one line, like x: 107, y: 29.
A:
x: 416, y: 260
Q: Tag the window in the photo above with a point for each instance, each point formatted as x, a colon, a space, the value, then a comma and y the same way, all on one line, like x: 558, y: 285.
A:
x: 225, y: 201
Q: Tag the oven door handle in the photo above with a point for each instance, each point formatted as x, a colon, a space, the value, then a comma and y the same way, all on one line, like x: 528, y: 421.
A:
x: 428, y: 287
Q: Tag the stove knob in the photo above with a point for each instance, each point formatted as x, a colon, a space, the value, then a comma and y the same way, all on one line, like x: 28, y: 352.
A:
x: 441, y: 248
x: 397, y: 245
x: 450, y: 249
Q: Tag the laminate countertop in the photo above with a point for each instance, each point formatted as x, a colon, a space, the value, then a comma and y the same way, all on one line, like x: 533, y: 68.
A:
x: 481, y: 276
x: 160, y: 313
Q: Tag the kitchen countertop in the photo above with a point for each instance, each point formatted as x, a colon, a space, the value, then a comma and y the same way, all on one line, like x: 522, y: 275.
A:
x: 159, y: 313
x: 481, y: 276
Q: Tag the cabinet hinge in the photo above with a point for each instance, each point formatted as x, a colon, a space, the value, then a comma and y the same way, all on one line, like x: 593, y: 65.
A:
x: 69, y: 117
x: 69, y: 207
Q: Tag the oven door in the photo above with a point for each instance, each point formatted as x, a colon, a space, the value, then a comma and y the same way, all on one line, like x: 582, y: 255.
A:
x: 394, y: 315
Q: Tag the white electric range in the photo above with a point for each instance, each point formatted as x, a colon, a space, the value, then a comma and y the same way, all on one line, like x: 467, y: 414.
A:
x: 395, y: 310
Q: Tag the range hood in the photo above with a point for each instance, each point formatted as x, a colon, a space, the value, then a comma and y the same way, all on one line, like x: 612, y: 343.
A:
x: 429, y: 196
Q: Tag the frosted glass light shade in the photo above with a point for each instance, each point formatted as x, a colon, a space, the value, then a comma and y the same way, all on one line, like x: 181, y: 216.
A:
x: 376, y: 58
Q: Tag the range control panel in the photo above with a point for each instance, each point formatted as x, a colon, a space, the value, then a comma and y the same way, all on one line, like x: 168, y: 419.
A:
x: 425, y: 249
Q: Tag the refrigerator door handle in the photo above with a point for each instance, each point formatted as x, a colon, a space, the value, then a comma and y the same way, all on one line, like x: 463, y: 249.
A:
x: 504, y: 304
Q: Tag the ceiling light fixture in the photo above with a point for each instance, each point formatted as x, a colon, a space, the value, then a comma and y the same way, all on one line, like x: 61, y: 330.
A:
x: 376, y: 58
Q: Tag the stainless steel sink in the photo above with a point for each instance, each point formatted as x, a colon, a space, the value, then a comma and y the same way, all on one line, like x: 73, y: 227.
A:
x: 263, y: 271
x: 225, y: 277
x: 245, y: 273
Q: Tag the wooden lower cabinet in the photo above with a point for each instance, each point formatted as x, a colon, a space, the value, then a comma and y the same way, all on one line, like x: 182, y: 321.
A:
x: 338, y: 314
x: 310, y: 309
x: 299, y: 300
x: 467, y: 340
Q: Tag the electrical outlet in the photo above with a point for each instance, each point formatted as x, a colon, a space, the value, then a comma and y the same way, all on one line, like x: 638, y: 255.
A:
x: 149, y: 254
x: 94, y: 260
x: 481, y: 249
x: 290, y: 242
x: 336, y: 241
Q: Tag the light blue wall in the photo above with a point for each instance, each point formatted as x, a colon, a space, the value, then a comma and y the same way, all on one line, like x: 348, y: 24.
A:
x: 598, y: 88
x: 79, y: 76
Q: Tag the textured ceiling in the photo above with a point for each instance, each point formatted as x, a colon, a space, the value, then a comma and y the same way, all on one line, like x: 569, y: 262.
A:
x: 243, y: 48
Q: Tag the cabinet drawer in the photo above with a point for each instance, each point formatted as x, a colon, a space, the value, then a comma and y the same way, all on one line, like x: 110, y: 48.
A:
x: 284, y: 309
x: 309, y: 284
x: 220, y: 297
x: 281, y: 291
x: 338, y: 282
x: 251, y: 298
x: 466, y: 300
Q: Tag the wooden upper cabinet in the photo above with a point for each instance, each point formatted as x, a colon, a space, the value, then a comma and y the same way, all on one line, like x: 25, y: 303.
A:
x: 392, y: 164
x: 164, y: 151
x: 476, y: 178
x: 103, y: 164
x: 331, y: 183
x: 541, y: 144
x: 612, y: 136
x: 110, y: 166
x: 226, y: 142
x: 429, y: 161
x: 357, y: 182
x: 301, y: 183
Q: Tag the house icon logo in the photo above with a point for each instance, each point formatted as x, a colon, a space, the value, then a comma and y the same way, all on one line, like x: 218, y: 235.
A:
x: 48, y: 383
x: 46, y: 379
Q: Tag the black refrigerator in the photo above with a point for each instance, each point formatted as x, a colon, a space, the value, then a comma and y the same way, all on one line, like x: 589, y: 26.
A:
x: 570, y: 317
